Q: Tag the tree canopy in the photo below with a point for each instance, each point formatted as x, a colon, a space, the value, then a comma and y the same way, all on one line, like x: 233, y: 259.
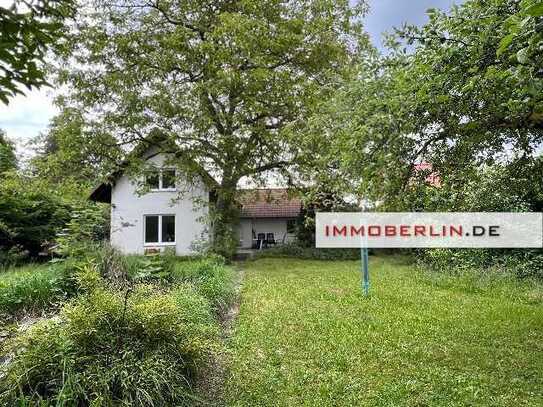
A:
x: 65, y: 155
x: 468, y: 93
x: 29, y: 29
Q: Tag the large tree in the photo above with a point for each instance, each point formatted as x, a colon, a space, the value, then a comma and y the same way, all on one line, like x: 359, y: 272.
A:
x: 28, y: 30
x: 463, y: 91
x: 227, y: 82
x: 67, y: 157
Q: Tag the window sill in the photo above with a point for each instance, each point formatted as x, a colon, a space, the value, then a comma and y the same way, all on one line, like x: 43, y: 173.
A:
x: 158, y: 244
x: 164, y: 190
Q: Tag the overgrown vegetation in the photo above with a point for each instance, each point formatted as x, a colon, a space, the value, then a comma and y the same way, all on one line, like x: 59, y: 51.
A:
x: 34, y: 218
x: 138, y: 333
x: 108, y: 348
x: 33, y: 288
x: 494, y: 189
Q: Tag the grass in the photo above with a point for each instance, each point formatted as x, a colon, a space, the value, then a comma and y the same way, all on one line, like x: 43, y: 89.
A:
x: 30, y: 288
x: 306, y: 336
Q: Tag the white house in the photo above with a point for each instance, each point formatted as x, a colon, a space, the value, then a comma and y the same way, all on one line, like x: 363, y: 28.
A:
x: 173, y: 213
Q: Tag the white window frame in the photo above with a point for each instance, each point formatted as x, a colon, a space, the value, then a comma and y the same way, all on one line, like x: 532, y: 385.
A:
x: 159, y: 243
x: 160, y: 180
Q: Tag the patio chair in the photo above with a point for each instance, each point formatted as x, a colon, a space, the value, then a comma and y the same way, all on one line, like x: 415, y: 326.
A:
x: 261, y: 237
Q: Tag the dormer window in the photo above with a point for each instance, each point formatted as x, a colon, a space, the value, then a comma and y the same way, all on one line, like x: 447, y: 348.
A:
x: 161, y: 180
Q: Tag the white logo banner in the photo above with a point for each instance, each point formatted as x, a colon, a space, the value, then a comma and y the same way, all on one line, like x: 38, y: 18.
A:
x: 429, y: 229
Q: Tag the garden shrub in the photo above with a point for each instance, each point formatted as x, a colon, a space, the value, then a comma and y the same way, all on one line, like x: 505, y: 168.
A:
x: 29, y: 216
x: 492, y: 189
x: 299, y: 251
x: 87, y: 227
x: 523, y: 263
x: 111, y: 347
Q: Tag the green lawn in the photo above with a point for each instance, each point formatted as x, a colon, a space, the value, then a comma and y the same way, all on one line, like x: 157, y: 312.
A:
x: 306, y: 336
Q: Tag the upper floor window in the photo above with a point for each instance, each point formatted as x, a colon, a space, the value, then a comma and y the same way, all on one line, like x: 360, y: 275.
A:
x: 161, y: 180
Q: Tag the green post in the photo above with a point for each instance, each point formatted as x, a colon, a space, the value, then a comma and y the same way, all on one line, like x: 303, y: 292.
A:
x: 365, y: 271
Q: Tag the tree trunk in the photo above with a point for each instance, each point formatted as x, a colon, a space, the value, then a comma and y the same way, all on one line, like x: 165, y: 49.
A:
x: 225, y: 217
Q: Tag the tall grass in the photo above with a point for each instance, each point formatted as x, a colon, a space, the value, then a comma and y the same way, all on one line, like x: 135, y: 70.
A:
x: 107, y: 348
x: 138, y: 333
x: 33, y: 287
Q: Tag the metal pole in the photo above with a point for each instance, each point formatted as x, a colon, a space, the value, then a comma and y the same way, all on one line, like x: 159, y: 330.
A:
x: 365, y: 271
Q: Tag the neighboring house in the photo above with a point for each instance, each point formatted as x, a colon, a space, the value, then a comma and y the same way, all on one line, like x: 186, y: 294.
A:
x: 432, y: 179
x: 160, y: 210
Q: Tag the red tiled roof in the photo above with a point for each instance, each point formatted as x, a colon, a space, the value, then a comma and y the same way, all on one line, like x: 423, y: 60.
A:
x: 432, y: 179
x: 269, y: 203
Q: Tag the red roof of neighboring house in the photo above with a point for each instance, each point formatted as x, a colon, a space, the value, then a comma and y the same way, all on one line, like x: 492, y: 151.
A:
x: 432, y: 179
x: 269, y: 203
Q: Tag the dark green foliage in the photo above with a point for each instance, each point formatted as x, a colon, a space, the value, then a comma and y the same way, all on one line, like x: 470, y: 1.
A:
x: 29, y: 216
x: 29, y: 29
x: 8, y: 161
x: 300, y: 251
x: 115, y: 348
x: 34, y: 216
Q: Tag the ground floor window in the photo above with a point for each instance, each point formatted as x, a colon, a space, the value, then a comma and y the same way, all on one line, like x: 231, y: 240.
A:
x: 159, y: 229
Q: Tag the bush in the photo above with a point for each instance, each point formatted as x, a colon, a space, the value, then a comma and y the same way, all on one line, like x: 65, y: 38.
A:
x: 492, y: 189
x: 522, y: 263
x: 29, y: 216
x: 311, y: 253
x: 114, y: 348
x: 14, y: 256
x: 87, y: 226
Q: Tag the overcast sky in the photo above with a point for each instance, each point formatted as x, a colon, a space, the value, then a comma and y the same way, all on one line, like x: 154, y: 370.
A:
x: 26, y: 116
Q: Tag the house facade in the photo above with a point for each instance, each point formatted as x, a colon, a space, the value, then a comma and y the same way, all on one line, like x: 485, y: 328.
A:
x: 161, y: 211
x: 168, y: 214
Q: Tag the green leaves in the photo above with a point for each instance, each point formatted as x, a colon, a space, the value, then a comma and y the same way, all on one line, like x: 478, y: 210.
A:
x: 535, y: 10
x: 504, y: 43
x: 29, y: 30
x: 469, y: 94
